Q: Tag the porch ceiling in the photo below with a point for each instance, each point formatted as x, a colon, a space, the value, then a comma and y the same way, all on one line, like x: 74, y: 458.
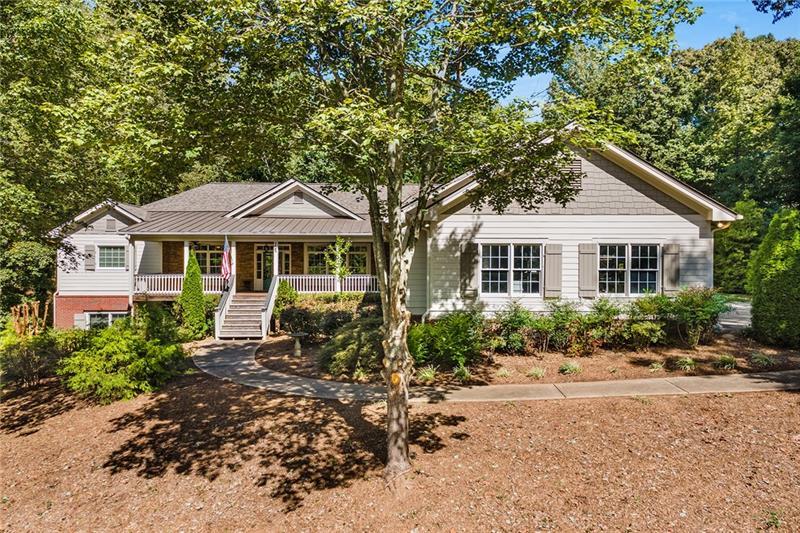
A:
x: 216, y: 223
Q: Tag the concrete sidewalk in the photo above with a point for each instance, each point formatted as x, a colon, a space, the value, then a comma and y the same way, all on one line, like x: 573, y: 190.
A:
x: 235, y: 361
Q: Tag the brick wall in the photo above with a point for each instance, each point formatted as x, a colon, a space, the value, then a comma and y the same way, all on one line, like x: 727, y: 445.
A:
x: 298, y: 262
x: 172, y: 257
x: 68, y: 306
x: 245, y: 266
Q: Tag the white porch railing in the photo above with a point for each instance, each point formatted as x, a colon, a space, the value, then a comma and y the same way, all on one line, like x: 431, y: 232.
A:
x: 173, y: 283
x: 328, y: 283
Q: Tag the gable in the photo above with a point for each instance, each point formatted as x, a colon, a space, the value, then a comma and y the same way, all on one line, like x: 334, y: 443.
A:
x: 605, y: 189
x: 296, y: 204
x: 105, y: 220
x: 291, y: 190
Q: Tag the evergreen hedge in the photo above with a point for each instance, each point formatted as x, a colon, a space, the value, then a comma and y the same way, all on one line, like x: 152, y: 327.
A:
x: 191, y: 306
x: 775, y: 281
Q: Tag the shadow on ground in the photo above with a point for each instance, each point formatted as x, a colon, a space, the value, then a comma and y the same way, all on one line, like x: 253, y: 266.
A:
x: 25, y: 409
x: 203, y: 426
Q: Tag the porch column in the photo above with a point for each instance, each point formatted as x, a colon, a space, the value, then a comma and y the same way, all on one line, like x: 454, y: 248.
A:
x: 131, y: 269
x: 276, y: 255
x: 233, y: 266
x: 185, y: 255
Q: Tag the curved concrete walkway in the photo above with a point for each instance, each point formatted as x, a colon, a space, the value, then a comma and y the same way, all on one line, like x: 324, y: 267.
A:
x: 235, y: 361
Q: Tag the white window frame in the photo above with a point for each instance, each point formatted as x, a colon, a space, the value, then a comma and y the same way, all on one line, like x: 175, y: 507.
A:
x: 510, y: 249
x: 208, y: 254
x: 97, y: 255
x: 258, y: 249
x: 628, y: 262
x: 108, y: 314
x: 325, y: 245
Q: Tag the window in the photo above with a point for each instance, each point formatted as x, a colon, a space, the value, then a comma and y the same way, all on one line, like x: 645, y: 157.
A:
x: 644, y: 268
x: 527, y: 268
x: 357, y: 259
x: 111, y: 256
x: 316, y: 258
x: 103, y: 319
x: 209, y: 257
x: 494, y: 268
x: 612, y: 268
x: 619, y: 276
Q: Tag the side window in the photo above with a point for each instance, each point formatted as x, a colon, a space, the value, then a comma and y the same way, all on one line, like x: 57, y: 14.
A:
x: 111, y: 257
x: 494, y: 268
x: 527, y: 268
x: 613, y: 265
x: 644, y: 268
x: 628, y: 269
x: 103, y: 319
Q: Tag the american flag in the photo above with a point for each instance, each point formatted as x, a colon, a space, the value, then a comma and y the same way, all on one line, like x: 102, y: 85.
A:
x: 226, y: 260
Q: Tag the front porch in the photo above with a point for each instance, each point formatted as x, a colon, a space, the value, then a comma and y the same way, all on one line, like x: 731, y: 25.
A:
x: 161, y: 265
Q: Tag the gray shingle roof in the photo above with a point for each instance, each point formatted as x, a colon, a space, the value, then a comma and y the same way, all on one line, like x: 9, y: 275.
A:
x: 228, y: 196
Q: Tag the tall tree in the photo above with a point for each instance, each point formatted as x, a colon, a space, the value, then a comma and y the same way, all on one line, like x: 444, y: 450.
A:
x: 707, y: 115
x: 779, y: 8
x: 409, y: 91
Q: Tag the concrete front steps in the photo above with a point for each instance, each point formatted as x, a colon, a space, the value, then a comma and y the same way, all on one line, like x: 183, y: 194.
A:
x: 243, y: 319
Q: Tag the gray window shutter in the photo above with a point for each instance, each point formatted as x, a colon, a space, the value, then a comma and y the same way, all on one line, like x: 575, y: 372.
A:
x: 88, y: 261
x: 671, y: 275
x: 111, y: 224
x: 469, y: 271
x: 587, y: 270
x: 79, y: 321
x: 552, y: 271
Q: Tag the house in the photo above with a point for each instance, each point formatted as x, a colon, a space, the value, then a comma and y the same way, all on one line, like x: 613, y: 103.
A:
x: 632, y: 229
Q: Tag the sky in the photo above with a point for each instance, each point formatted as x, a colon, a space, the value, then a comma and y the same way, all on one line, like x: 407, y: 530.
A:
x: 719, y: 19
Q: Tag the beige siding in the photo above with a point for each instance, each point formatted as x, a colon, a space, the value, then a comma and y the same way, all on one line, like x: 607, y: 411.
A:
x: 148, y: 257
x: 691, y: 232
x: 307, y: 208
x: 75, y: 279
x: 417, y: 280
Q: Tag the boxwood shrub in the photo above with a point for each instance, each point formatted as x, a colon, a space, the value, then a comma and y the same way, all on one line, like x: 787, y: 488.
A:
x: 774, y: 278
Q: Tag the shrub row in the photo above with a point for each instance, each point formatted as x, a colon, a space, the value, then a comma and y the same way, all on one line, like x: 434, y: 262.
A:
x: 129, y: 357
x: 321, y: 315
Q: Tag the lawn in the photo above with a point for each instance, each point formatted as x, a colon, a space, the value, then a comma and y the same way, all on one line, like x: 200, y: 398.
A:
x: 209, y: 455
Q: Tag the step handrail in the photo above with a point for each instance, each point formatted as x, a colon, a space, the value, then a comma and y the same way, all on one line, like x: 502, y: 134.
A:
x: 266, y: 311
x: 224, y: 304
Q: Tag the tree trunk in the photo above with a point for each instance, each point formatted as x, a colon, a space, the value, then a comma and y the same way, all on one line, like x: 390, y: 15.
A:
x: 397, y: 366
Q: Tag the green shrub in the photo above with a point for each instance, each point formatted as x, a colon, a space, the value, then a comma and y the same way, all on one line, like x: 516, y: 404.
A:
x: 655, y: 366
x: 28, y: 359
x: 191, y: 304
x: 454, y: 339
x: 512, y: 322
x: 287, y: 295
x: 693, y: 314
x: 357, y: 345
x: 120, y: 363
x: 503, y: 372
x: 156, y: 322
x: 734, y: 247
x: 427, y: 374
x: 539, y: 333
x: 640, y: 334
x: 321, y: 315
x: 569, y: 368
x: 462, y: 374
x: 760, y: 360
x: 687, y: 364
x: 563, y: 314
x: 536, y: 372
x: 774, y: 278
x: 604, y: 318
x: 726, y: 362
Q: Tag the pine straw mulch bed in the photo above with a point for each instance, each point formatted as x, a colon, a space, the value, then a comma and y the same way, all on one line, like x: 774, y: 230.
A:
x: 208, y: 455
x: 277, y: 353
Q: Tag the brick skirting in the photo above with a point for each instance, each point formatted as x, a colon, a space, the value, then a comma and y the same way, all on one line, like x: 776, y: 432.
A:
x: 66, y: 307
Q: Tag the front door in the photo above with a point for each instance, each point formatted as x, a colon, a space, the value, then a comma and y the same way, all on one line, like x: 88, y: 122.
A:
x: 263, y: 266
